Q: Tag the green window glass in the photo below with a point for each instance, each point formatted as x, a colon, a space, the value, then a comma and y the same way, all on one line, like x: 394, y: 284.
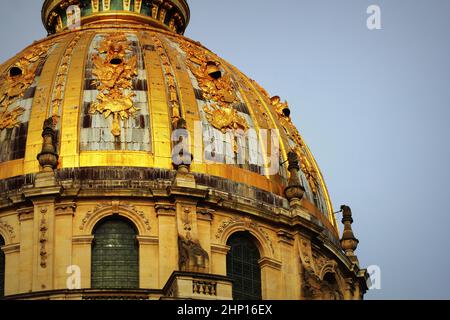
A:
x: 2, y: 268
x: 115, y: 255
x: 243, y: 267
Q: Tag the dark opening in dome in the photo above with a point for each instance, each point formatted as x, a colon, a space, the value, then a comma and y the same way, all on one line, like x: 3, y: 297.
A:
x: 15, y: 71
x: 213, y: 70
x: 116, y: 61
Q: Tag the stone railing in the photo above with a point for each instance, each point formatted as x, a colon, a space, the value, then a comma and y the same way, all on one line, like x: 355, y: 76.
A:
x: 185, y: 285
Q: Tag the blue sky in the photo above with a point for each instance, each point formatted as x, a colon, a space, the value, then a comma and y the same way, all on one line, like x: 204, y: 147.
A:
x: 373, y: 106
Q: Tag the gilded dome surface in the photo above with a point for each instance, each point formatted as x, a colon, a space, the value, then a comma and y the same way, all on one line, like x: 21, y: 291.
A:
x: 116, y: 92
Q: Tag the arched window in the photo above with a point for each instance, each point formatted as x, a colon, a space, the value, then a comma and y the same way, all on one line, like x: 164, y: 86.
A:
x: 115, y: 255
x: 243, y: 267
x: 2, y: 268
x: 330, y: 288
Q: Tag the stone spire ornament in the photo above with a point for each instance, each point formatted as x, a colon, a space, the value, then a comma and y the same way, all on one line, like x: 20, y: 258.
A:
x: 182, y: 158
x: 294, y: 191
x: 48, y: 158
x: 349, y: 242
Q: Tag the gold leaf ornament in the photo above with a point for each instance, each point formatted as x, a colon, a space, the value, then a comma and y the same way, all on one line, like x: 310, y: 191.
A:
x: 16, y: 81
x: 114, y: 73
x: 216, y: 87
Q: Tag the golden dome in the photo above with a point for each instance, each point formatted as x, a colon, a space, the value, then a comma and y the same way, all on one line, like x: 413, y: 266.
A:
x: 118, y: 86
x: 137, y: 164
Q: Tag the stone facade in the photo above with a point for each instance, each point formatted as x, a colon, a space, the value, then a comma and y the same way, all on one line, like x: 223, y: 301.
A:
x: 49, y: 228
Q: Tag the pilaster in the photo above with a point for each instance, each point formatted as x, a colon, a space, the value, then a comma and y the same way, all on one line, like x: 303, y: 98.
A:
x: 289, y: 269
x: 64, y: 213
x: 12, y: 259
x: 168, y: 241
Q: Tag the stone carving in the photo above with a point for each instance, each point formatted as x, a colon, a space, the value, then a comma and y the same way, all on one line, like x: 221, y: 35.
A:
x: 305, y: 254
x: 105, y: 206
x: 319, y: 275
x: 330, y: 290
x: 65, y: 208
x: 225, y: 225
x: 114, y: 73
x: 192, y: 257
x: 264, y: 233
x: 316, y: 289
x: 16, y: 82
x: 91, y: 213
x: 139, y: 213
x: 310, y: 285
x: 43, y: 228
x: 187, y: 226
x: 9, y: 229
x: 216, y: 87
x: 248, y: 224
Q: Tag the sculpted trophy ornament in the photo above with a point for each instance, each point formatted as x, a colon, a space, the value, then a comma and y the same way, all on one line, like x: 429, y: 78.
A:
x: 15, y: 82
x: 216, y: 87
x: 114, y: 73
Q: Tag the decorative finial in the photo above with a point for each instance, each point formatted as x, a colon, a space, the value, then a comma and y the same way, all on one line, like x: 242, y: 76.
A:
x: 182, y: 158
x: 48, y: 158
x: 348, y: 242
x: 294, y: 191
